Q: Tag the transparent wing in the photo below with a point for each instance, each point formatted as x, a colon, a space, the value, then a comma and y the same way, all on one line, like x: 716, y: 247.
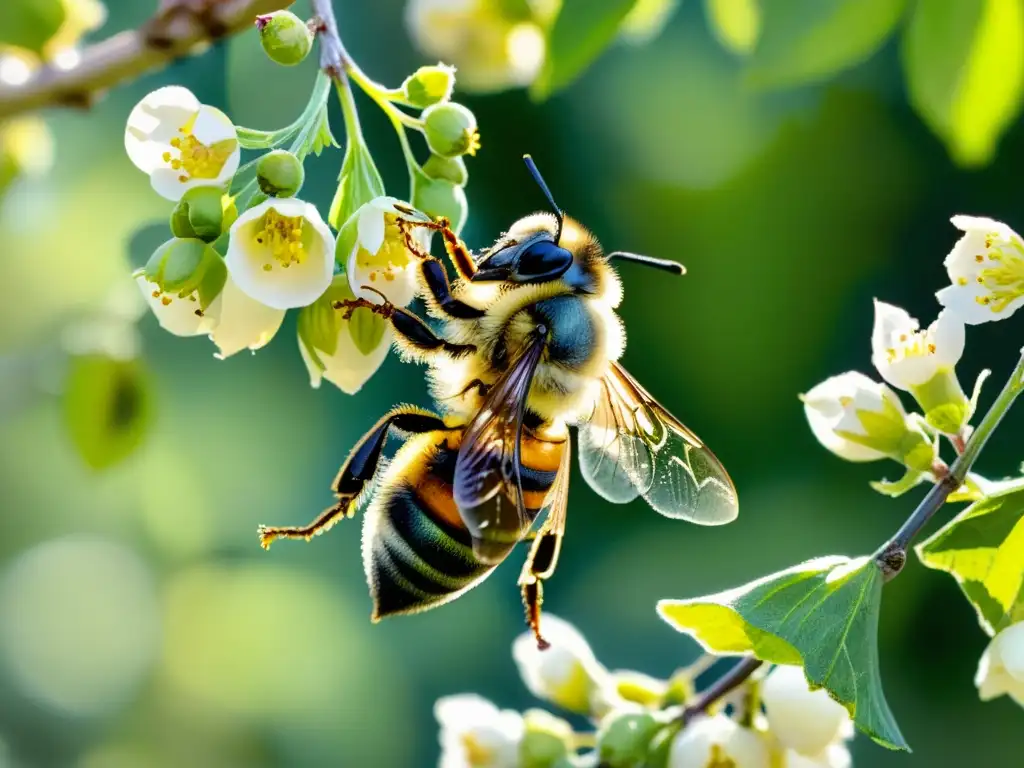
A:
x: 631, y: 446
x: 558, y: 497
x: 487, y: 470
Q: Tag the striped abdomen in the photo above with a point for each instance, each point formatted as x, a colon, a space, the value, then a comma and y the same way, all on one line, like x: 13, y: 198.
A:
x: 417, y: 552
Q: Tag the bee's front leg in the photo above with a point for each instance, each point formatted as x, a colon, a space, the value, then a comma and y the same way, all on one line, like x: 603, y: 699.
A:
x: 356, y: 473
x: 414, y: 335
x: 435, y: 278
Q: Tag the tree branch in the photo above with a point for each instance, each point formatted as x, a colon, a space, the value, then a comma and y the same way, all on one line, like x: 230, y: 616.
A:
x: 334, y: 59
x: 727, y: 683
x: 178, y: 28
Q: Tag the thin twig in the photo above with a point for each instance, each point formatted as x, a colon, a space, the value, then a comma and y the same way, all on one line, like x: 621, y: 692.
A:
x: 893, y: 555
x: 179, y: 28
x: 722, y: 686
x: 334, y: 59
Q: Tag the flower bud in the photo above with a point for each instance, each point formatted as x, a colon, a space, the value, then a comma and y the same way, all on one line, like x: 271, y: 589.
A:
x: 946, y: 407
x: 280, y: 174
x: 187, y: 267
x: 639, y: 688
x: 623, y: 739
x: 862, y: 420
x: 451, y: 130
x: 567, y: 673
x: 546, y: 740
x: 804, y: 720
x: 451, y: 168
x: 1001, y: 670
x: 285, y: 38
x: 717, y: 740
x: 203, y: 213
x: 440, y: 197
x: 429, y: 85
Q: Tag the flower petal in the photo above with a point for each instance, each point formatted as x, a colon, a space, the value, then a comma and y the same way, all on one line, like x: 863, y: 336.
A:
x: 948, y: 335
x: 177, y: 316
x: 242, y: 322
x: 348, y: 368
x: 371, y: 228
x: 154, y: 121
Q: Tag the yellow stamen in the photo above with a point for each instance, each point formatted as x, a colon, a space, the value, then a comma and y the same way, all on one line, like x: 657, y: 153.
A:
x: 197, y: 160
x: 962, y: 280
x: 1004, y: 280
x: 283, y: 236
x: 719, y: 759
x: 475, y: 753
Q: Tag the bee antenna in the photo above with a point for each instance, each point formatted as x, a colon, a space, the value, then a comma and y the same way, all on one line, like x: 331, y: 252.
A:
x: 664, y: 264
x: 532, y: 167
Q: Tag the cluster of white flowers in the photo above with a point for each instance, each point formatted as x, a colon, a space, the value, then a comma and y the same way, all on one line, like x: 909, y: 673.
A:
x: 277, y: 255
x: 860, y: 419
x: 637, y: 718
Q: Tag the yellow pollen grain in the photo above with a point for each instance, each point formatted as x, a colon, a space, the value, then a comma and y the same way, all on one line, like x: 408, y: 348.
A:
x: 845, y: 401
x: 962, y: 280
x: 166, y: 300
x: 979, y: 258
x: 283, y: 236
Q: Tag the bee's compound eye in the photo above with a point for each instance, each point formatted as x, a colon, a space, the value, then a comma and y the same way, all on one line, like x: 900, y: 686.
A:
x: 543, y: 260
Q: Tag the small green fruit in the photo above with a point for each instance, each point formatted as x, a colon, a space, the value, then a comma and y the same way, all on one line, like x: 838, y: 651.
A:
x: 623, y: 740
x: 440, y: 197
x: 280, y: 174
x: 285, y: 37
x: 451, y: 168
x: 429, y: 85
x: 451, y: 130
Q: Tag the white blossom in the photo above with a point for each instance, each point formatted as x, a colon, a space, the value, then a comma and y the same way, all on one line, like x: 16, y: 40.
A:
x: 379, y: 257
x: 476, y: 734
x: 907, y: 356
x: 181, y: 143
x: 835, y: 755
x: 567, y: 673
x: 801, y: 719
x: 856, y: 418
x: 281, y: 253
x: 176, y: 315
x: 718, y: 741
x: 1001, y: 670
x: 986, y: 271
x: 240, y: 322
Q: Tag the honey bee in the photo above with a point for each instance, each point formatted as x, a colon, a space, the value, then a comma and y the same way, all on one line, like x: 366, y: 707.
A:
x: 529, y: 346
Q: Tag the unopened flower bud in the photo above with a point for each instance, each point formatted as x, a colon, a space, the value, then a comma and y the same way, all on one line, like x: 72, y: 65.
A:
x: 440, y: 197
x: 862, y: 420
x: 623, y: 739
x: 452, y: 169
x: 546, y: 740
x: 451, y: 130
x: 280, y: 174
x: 285, y: 37
x: 804, y: 720
x: 202, y: 214
x: 429, y: 85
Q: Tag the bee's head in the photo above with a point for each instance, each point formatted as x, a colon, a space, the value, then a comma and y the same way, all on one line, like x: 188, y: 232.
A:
x: 543, y: 247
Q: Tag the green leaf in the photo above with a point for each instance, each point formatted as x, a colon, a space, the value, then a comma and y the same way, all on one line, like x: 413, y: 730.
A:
x: 821, y: 614
x: 983, y: 549
x: 366, y: 329
x: 735, y: 23
x: 808, y: 40
x: 964, y: 65
x: 358, y: 183
x: 30, y: 23
x: 581, y: 32
x: 107, y: 406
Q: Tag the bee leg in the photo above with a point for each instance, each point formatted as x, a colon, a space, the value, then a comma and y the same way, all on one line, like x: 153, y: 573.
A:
x: 456, y: 249
x: 436, y: 278
x: 356, y: 473
x: 415, y: 333
x: 540, y: 565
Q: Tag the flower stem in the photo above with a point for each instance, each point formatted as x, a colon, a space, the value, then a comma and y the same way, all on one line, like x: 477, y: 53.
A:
x: 892, y: 556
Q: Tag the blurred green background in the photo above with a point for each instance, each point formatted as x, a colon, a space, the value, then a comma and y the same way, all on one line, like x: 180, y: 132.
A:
x: 140, y: 623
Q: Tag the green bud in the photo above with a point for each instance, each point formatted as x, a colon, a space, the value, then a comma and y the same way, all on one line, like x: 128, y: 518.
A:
x: 546, y: 741
x: 440, y: 197
x: 946, y: 407
x: 640, y: 688
x: 202, y: 214
x: 285, y: 37
x: 660, y: 747
x: 623, y: 740
x: 451, y: 130
x: 280, y: 174
x: 429, y: 85
x: 187, y: 266
x: 451, y: 168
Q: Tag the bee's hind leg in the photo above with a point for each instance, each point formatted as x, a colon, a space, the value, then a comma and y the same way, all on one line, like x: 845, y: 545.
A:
x: 540, y: 565
x: 356, y: 473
